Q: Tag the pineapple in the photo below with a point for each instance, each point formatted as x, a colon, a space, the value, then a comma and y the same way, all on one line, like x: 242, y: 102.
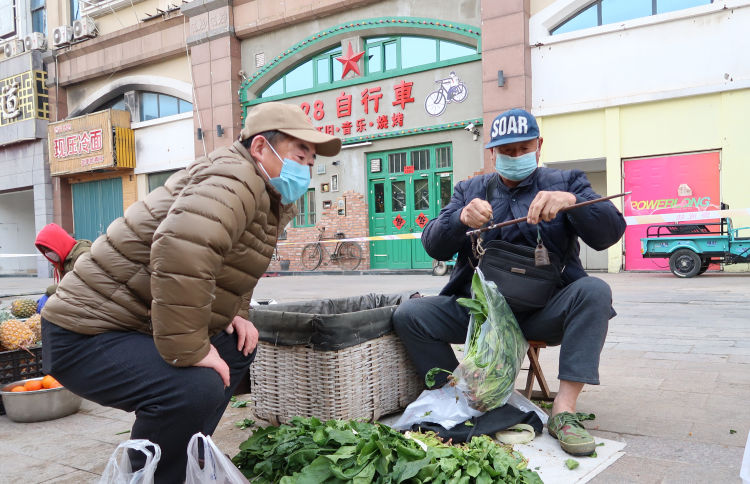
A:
x: 35, y: 324
x: 23, y: 308
x: 15, y: 334
x: 5, y: 315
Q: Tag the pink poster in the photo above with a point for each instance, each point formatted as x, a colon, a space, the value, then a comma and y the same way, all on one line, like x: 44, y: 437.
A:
x: 668, y: 184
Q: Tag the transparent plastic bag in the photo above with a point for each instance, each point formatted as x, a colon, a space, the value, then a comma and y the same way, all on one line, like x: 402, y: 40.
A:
x: 216, y: 466
x: 494, y: 350
x: 119, y: 471
x: 446, y: 406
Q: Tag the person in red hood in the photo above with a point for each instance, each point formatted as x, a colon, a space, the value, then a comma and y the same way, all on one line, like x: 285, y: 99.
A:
x: 61, y: 250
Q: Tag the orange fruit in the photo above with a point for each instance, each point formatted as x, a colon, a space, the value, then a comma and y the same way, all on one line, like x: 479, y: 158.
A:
x: 55, y: 384
x: 48, y: 381
x: 32, y: 385
x: 18, y: 388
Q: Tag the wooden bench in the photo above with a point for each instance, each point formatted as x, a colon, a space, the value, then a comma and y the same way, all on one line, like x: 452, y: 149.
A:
x: 535, y: 372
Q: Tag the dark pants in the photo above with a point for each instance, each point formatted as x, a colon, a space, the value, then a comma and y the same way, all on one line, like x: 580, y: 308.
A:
x: 576, y: 318
x: 124, y: 370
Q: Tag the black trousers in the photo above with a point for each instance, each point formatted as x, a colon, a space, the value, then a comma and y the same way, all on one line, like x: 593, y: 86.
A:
x: 125, y: 371
x: 577, y: 318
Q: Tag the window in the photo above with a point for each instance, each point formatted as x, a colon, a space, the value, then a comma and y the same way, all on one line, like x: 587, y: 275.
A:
x: 116, y: 103
x: 416, y: 51
x: 388, y: 53
x: 382, y: 54
x: 320, y: 70
x: 396, y: 162
x: 155, y: 180
x: 420, y: 159
x: 155, y: 106
x: 379, y: 192
x: 603, y: 12
x: 306, y: 209
x: 443, y: 157
x: 8, y: 19
x: 75, y: 11
x: 38, y: 16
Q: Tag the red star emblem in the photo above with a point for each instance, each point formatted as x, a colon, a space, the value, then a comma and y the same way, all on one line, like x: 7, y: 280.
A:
x: 350, y: 61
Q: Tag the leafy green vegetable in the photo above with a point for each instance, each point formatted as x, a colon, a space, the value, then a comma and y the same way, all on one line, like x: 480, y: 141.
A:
x: 335, y: 452
x: 732, y: 431
x: 572, y: 464
x: 238, y: 403
x: 542, y: 404
x: 243, y: 424
x: 494, y: 350
x: 429, y: 378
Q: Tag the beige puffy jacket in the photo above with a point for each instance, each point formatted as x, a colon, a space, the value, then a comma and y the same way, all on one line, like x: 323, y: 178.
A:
x: 177, y: 264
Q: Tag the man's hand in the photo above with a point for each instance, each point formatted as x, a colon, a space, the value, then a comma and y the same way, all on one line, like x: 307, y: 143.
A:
x: 546, y: 205
x: 247, y: 335
x: 214, y: 360
x: 477, y: 213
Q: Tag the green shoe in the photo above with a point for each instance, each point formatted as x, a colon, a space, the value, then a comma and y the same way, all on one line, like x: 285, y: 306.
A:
x: 574, y: 439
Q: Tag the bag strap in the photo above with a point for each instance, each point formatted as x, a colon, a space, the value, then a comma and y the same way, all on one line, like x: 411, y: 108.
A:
x: 476, y: 242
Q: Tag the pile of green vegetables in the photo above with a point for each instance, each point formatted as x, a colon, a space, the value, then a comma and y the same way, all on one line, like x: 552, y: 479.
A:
x: 494, y: 351
x: 308, y: 451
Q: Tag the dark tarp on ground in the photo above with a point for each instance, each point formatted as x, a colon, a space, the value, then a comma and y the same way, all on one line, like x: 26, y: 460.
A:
x: 488, y: 423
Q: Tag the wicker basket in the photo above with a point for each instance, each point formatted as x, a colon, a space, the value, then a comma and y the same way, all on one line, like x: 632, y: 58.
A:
x: 365, y: 381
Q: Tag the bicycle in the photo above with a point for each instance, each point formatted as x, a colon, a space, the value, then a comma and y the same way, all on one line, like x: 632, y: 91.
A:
x: 436, y: 101
x: 347, y: 255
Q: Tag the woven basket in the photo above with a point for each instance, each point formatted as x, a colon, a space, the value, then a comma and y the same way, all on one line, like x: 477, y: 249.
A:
x: 365, y: 381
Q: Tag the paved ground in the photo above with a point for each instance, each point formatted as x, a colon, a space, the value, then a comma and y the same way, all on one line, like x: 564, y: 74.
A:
x: 675, y: 377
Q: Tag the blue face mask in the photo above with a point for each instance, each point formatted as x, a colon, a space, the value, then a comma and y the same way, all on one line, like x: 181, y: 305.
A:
x: 515, y: 168
x: 293, y: 180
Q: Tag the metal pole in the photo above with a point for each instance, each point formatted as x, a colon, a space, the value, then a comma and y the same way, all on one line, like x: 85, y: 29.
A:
x: 523, y: 219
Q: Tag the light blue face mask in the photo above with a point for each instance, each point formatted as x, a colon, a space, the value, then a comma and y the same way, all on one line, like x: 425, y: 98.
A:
x: 515, y: 168
x: 293, y: 180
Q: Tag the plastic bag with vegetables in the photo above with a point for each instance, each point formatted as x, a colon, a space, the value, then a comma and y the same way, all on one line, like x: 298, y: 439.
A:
x: 494, y: 349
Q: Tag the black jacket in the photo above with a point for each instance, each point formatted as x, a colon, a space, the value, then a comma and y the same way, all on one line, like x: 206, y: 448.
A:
x: 600, y: 225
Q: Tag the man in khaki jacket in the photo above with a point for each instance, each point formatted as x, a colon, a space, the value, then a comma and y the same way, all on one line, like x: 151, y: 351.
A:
x: 147, y: 321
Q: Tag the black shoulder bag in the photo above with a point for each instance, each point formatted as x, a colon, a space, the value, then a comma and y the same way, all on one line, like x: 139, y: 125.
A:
x: 526, y: 277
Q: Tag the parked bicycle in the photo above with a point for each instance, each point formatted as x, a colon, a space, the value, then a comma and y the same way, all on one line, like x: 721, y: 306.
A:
x: 347, y: 255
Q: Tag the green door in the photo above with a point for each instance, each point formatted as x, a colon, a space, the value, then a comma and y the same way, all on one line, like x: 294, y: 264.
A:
x: 405, y: 192
x: 376, y: 199
x: 95, y: 205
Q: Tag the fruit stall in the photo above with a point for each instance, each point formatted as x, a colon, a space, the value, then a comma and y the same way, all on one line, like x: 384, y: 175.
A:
x: 26, y: 394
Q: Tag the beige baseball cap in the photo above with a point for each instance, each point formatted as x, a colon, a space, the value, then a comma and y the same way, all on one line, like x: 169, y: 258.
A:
x: 290, y: 120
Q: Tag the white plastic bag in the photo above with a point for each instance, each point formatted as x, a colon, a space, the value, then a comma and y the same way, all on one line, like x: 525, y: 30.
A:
x: 745, y: 469
x: 216, y: 466
x: 118, y: 470
x: 525, y: 405
x: 446, y: 406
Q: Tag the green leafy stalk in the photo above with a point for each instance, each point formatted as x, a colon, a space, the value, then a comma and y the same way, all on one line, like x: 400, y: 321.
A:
x: 429, y: 378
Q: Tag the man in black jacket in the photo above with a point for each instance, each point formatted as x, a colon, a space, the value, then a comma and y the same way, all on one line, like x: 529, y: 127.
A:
x: 576, y: 317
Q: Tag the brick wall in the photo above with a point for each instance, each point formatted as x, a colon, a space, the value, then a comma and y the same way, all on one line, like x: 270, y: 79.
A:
x: 353, y: 224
